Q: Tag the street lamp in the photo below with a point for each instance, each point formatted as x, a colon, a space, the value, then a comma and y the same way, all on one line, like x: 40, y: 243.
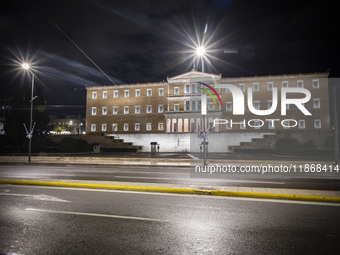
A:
x: 27, y: 67
x: 200, y: 51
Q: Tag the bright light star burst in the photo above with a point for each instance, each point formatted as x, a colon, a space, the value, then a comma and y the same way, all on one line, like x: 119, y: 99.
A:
x: 25, y: 66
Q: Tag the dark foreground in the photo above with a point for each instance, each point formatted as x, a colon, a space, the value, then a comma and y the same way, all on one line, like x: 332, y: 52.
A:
x: 77, y: 221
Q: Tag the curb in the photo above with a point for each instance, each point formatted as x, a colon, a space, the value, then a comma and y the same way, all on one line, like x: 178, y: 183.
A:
x: 178, y: 190
x: 97, y: 161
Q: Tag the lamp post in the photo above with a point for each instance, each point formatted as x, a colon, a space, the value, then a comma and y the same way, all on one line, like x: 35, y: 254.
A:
x: 336, y: 142
x: 200, y: 51
x: 26, y: 66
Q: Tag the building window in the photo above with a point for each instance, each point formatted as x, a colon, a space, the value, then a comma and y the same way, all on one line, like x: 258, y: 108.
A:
x: 104, y: 127
x: 270, y: 86
x: 115, y: 94
x: 126, y: 93
x: 229, y: 106
x: 270, y: 103
x: 193, y: 105
x: 257, y: 105
x: 176, y: 90
x: 94, y: 111
x: 300, y: 84
x: 211, y: 106
x: 161, y: 92
x: 94, y: 95
x: 115, y: 110
x: 255, y: 87
x: 243, y: 125
x: 187, y: 105
x: 242, y: 87
x: 257, y: 124
x: 315, y: 84
x: 199, y: 86
x: 193, y: 88
x: 271, y: 124
x: 176, y: 107
x: 126, y: 127
x: 160, y: 126
x: 302, y: 124
x: 316, y: 103
x: 104, y: 111
x: 126, y: 109
x: 137, y: 126
x: 148, y: 109
x: 149, y: 92
x: 114, y: 127
x: 93, y: 127
x: 104, y: 94
x: 160, y: 108
x: 285, y: 124
x: 187, y: 89
x: 199, y: 105
x: 285, y: 84
x: 148, y: 126
x: 137, y: 93
x: 137, y: 109
x: 317, y: 124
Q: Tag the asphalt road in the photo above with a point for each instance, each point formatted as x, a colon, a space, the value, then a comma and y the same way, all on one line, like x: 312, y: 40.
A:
x: 49, y: 220
x: 171, y: 175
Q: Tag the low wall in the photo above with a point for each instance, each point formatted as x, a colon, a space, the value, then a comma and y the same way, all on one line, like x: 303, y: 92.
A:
x: 218, y: 142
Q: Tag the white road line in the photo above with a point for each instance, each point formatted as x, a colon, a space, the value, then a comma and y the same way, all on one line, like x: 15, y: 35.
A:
x: 97, y: 215
x: 36, y: 197
x: 264, y: 200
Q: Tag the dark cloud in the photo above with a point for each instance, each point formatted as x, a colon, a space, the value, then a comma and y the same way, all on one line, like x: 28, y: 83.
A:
x: 142, y: 41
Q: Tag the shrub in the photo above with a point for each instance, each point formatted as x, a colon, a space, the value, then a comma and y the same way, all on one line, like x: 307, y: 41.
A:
x: 68, y: 145
x: 309, y: 144
x: 287, y: 146
x: 82, y: 146
x: 330, y: 142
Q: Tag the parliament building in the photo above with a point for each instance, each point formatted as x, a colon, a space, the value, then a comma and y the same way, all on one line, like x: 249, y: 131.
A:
x: 174, y: 106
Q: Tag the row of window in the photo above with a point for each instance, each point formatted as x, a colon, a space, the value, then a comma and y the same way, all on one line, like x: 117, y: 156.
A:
x: 257, y: 124
x: 137, y: 126
x: 196, y: 89
x: 127, y: 93
x: 148, y: 109
x: 256, y: 104
x: 190, y: 105
x: 270, y: 85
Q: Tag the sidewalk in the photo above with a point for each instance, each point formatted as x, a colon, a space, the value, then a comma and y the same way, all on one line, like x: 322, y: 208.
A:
x: 154, y: 161
x: 230, y: 191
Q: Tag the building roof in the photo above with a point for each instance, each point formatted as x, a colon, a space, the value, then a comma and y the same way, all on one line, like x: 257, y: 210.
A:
x: 192, y: 76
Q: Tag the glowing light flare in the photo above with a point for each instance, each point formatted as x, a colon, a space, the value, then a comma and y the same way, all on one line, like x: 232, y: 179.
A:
x: 26, y: 66
x: 200, y: 51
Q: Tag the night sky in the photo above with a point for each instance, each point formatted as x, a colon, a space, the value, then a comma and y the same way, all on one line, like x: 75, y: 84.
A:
x: 73, y: 43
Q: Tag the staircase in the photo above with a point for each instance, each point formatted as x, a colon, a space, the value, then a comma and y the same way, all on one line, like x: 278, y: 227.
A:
x: 265, y: 144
